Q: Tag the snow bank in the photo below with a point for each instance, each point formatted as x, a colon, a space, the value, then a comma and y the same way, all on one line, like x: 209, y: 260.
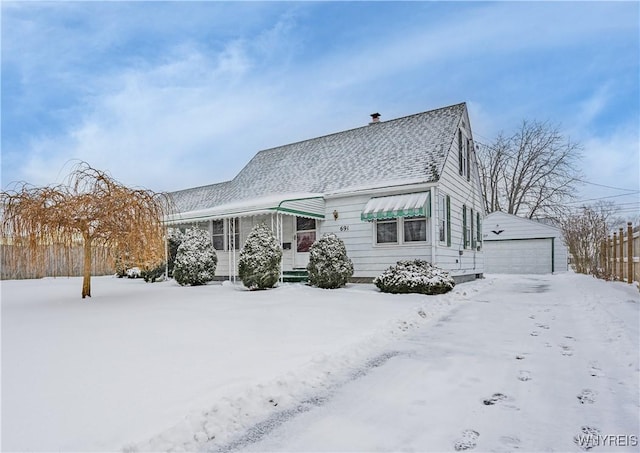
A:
x: 158, y: 367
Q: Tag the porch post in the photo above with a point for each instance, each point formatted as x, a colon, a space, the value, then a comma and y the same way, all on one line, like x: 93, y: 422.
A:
x: 229, y: 249
x: 280, y: 235
x: 434, y: 220
x: 233, y: 240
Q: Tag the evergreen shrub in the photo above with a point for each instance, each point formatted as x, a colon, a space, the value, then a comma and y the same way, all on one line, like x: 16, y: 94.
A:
x: 196, y: 259
x: 155, y: 274
x: 329, y: 266
x: 259, y: 263
x: 174, y: 239
x: 414, y: 276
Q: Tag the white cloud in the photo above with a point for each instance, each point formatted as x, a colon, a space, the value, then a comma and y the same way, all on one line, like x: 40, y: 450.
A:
x: 196, y: 113
x: 612, y: 160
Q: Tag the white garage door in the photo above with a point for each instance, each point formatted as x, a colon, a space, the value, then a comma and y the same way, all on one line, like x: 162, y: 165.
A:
x: 523, y: 256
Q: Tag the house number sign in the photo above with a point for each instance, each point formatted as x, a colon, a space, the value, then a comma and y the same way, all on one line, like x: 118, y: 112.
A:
x: 344, y: 228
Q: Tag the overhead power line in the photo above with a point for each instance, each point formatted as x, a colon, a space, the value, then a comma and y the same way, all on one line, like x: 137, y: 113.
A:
x: 604, y: 198
x: 608, y: 187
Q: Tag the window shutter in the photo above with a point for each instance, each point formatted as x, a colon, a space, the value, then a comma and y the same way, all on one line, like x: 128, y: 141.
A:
x: 448, y: 221
x: 460, y: 160
x: 464, y: 225
x: 479, y: 235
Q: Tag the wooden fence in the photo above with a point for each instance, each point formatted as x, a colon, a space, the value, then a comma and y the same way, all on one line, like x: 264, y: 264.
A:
x: 51, y: 261
x: 620, y: 254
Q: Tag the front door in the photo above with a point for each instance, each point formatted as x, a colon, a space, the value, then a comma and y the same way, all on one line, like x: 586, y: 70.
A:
x: 305, y: 236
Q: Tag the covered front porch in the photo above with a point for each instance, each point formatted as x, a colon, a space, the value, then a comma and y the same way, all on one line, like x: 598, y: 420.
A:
x: 294, y: 221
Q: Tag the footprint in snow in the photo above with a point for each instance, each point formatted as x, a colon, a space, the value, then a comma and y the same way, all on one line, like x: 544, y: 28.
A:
x: 524, y: 375
x: 543, y: 326
x: 495, y: 398
x: 587, y: 396
x: 595, y: 370
x: 513, y: 443
x: 468, y: 440
x: 566, y: 350
x: 587, y: 438
x: 520, y: 357
x: 534, y: 333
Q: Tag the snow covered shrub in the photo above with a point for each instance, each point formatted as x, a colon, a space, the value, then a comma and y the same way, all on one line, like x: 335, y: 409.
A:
x: 259, y: 264
x: 329, y: 266
x: 414, y: 276
x: 196, y: 259
x: 153, y: 275
x: 133, y: 272
x: 174, y: 239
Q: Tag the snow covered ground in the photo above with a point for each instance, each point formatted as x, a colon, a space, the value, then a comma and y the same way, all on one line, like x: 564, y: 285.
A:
x: 505, y: 363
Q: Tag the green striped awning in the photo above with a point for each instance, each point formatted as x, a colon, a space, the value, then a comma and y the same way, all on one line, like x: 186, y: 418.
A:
x: 393, y: 207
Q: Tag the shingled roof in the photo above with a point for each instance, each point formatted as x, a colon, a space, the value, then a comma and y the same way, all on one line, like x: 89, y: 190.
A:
x: 412, y: 148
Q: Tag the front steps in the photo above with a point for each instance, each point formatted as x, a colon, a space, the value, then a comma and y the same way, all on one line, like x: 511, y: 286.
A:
x: 295, y: 276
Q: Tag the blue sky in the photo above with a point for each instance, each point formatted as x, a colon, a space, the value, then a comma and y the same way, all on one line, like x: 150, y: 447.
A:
x: 170, y: 95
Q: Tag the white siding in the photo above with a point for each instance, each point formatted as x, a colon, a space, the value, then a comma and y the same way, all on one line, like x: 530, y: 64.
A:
x: 369, y: 259
x: 461, y: 192
x: 500, y: 226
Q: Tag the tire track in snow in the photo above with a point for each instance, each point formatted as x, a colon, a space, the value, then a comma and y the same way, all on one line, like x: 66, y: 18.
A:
x: 258, y: 431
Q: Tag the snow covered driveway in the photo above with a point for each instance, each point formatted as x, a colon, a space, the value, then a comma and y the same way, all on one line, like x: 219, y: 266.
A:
x: 509, y: 362
x: 541, y: 363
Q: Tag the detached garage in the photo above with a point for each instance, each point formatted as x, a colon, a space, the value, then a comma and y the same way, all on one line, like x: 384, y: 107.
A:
x: 514, y: 245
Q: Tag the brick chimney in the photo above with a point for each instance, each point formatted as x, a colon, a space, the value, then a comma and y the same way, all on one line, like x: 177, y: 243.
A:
x: 375, y: 118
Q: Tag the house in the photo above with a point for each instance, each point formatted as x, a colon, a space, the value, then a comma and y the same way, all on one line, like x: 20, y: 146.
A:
x: 515, y: 245
x: 391, y: 190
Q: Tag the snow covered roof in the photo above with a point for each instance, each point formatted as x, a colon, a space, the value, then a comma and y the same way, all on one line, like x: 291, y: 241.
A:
x: 301, y: 204
x: 409, y: 148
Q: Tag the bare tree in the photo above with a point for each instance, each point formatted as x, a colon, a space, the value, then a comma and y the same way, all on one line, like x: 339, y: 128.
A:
x: 584, y: 233
x: 89, y: 208
x: 531, y: 173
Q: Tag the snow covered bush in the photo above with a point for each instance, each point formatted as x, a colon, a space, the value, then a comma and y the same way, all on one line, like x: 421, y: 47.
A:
x: 174, y: 239
x: 155, y: 274
x: 196, y: 259
x: 414, y: 276
x: 329, y: 266
x: 259, y: 264
x: 133, y: 272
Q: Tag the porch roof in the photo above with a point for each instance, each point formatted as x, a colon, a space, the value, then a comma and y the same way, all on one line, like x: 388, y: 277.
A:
x: 309, y: 205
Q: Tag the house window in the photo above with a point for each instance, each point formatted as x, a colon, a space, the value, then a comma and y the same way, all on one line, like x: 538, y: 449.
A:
x: 469, y: 148
x: 463, y: 154
x: 444, y: 219
x: 387, y: 232
x: 472, y: 231
x: 235, y: 225
x: 467, y: 226
x: 224, y: 232
x: 415, y: 229
x: 217, y: 234
x: 305, y: 233
x: 401, y: 230
x: 479, y: 230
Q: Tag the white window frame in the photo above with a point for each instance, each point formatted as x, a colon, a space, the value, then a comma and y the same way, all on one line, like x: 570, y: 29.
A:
x: 223, y: 234
x: 442, y: 219
x: 314, y: 230
x: 400, y: 232
x: 227, y: 225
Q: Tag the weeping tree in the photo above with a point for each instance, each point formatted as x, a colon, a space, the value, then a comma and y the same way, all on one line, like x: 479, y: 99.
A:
x: 90, y: 208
